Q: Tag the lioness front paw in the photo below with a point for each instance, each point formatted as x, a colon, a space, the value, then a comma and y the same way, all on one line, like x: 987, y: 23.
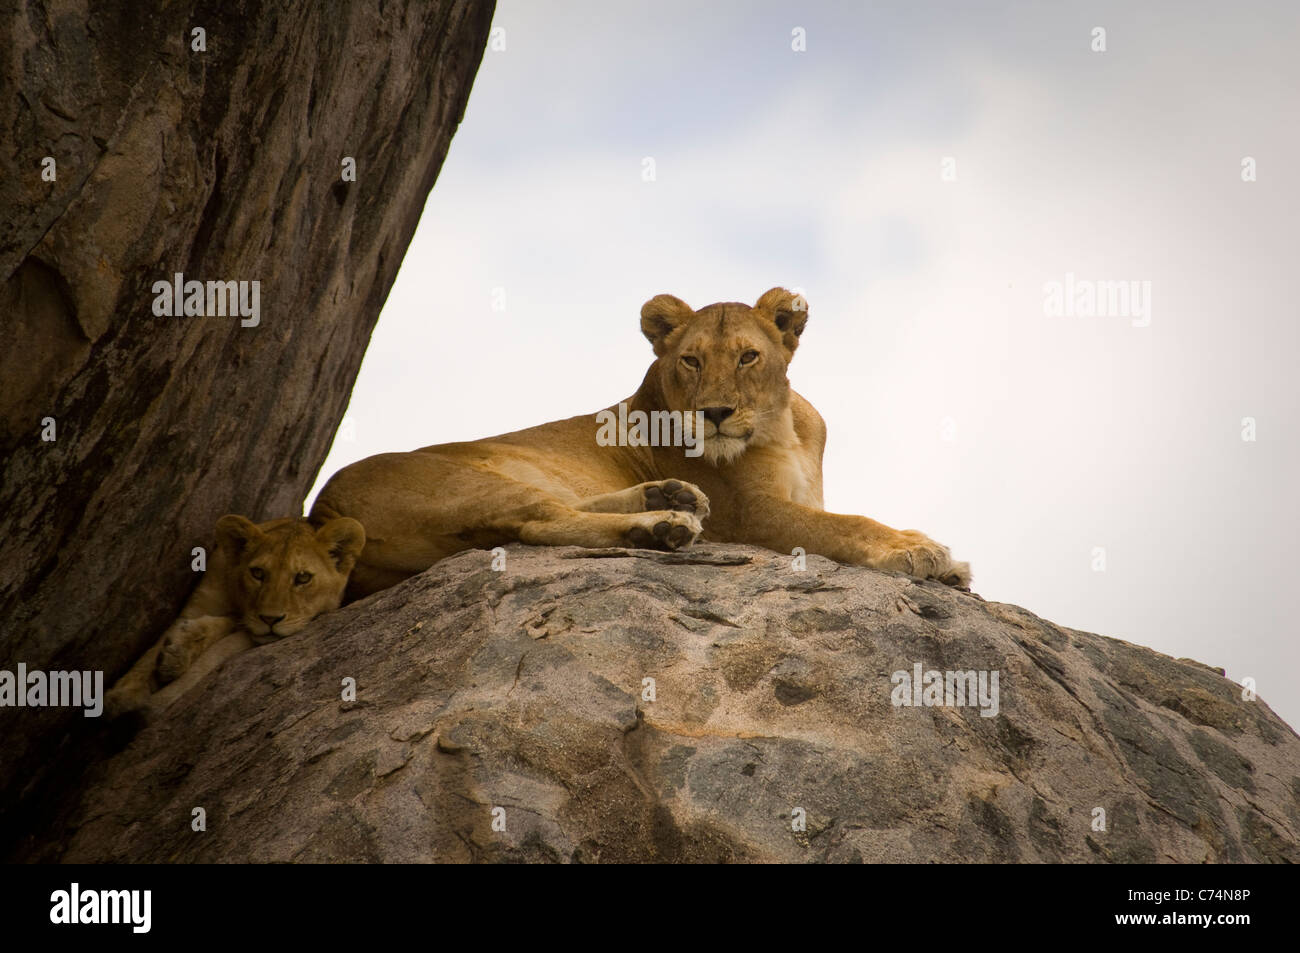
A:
x: 676, y: 495
x: 665, y: 529
x: 918, y: 555
x: 958, y: 576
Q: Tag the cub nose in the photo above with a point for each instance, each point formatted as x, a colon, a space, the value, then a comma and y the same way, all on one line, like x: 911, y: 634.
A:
x: 716, y: 415
x: 270, y: 620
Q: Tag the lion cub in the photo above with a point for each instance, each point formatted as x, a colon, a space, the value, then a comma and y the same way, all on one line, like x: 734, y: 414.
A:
x: 264, y: 581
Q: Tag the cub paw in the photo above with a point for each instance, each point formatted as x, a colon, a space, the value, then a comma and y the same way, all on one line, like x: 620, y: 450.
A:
x: 675, y: 495
x: 124, y: 699
x: 173, y: 661
x: 918, y: 555
x: 665, y: 529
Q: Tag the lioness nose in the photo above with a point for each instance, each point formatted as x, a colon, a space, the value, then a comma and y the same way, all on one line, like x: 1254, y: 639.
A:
x: 270, y: 620
x: 716, y: 415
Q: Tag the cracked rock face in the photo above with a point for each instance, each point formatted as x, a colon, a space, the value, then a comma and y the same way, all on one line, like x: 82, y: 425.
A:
x: 130, y: 156
x: 507, y: 716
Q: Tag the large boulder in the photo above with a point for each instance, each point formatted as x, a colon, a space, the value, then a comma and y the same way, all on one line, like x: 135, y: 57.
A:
x: 524, y: 688
x: 130, y: 155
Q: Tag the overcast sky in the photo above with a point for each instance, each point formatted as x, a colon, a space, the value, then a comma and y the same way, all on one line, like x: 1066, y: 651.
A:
x: 957, y: 402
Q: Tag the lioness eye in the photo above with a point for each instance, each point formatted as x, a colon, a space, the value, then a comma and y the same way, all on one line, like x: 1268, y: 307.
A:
x: 691, y: 362
x: 258, y: 574
x: 302, y: 579
x: 749, y: 357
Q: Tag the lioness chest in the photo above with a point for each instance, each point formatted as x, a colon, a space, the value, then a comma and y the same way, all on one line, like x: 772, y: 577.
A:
x: 795, y: 474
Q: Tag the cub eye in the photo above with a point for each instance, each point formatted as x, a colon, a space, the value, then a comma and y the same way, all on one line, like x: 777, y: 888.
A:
x: 302, y: 579
x: 749, y: 357
x: 690, y: 362
x: 257, y: 573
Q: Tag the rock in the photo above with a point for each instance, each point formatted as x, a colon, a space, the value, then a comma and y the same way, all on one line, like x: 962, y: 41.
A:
x: 525, y: 690
x: 222, y: 164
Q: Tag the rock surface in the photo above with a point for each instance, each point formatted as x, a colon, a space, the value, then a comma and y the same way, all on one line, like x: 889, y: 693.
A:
x: 524, y: 689
x: 223, y: 164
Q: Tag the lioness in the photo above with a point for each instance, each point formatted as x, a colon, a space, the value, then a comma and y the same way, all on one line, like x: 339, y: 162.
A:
x: 264, y: 581
x: 757, y: 480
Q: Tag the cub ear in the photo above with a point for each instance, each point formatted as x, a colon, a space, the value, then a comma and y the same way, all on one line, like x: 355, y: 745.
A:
x: 234, y: 533
x: 344, y: 537
x: 662, y: 315
x: 788, y: 310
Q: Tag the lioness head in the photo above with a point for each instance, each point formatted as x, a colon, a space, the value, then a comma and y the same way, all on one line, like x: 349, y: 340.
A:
x: 727, y: 361
x: 283, y: 573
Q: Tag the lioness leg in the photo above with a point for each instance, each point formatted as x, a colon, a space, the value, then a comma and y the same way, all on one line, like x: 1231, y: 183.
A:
x: 656, y: 495
x: 556, y: 524
x: 782, y: 525
x: 546, y: 523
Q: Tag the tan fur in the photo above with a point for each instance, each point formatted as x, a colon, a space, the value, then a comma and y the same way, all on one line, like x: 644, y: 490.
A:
x: 758, y: 481
x: 303, y: 574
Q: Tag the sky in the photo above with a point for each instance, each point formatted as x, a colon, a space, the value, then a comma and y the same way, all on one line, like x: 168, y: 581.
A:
x: 928, y: 175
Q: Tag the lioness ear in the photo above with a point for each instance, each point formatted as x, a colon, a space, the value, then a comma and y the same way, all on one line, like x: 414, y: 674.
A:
x: 345, y: 538
x: 662, y: 315
x: 789, y: 311
x: 234, y: 533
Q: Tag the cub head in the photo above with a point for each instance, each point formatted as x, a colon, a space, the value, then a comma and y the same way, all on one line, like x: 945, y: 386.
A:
x: 282, y: 574
x: 727, y: 361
